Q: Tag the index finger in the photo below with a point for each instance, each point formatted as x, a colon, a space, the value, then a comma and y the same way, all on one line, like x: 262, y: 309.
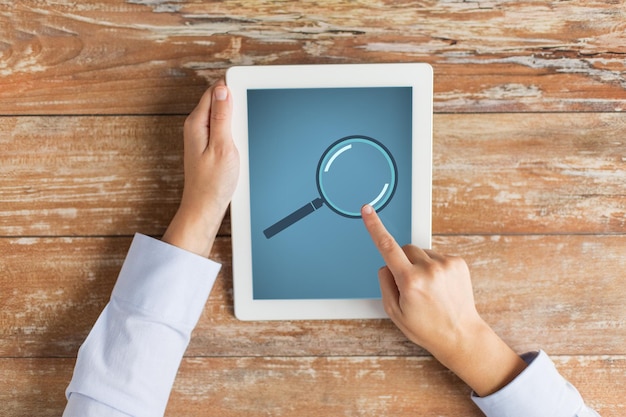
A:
x: 197, y: 123
x: 200, y: 114
x: 392, y: 253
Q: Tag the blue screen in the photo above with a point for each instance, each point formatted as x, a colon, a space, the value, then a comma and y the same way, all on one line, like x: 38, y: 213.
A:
x: 317, y: 155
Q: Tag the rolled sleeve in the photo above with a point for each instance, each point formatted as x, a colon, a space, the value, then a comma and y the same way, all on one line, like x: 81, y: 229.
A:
x: 538, y: 391
x: 129, y: 361
x: 165, y: 282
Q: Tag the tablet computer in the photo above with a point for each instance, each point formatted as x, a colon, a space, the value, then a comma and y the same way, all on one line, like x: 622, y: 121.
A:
x: 317, y: 142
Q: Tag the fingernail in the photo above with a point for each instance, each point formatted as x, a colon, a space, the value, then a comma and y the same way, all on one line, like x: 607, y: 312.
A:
x: 367, y: 209
x: 221, y: 93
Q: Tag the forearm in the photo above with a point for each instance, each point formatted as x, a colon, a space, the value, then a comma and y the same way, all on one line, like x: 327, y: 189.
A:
x: 194, y: 229
x: 130, y: 358
x: 211, y: 172
x: 481, y: 359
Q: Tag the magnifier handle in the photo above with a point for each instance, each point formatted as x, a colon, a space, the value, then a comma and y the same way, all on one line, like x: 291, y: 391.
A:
x: 302, y: 212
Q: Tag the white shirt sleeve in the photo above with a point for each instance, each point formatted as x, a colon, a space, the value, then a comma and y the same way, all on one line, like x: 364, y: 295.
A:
x: 127, y: 364
x: 538, y: 391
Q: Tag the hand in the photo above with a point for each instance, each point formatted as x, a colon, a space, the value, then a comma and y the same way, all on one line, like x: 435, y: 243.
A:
x: 429, y: 297
x: 211, y: 165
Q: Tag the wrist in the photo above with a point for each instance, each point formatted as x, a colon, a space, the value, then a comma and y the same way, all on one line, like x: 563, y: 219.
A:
x: 194, y: 230
x: 455, y: 349
x: 482, y: 359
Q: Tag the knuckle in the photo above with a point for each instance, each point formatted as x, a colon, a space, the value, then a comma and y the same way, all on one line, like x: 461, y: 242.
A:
x: 386, y: 243
x: 190, y: 122
x: 187, y: 123
x: 219, y: 115
x: 224, y: 151
x: 435, y: 269
x: 449, y: 264
x: 389, y: 308
x: 455, y: 263
x: 414, y: 284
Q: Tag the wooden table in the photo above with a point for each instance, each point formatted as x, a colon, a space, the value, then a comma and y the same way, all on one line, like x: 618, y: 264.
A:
x: 529, y: 186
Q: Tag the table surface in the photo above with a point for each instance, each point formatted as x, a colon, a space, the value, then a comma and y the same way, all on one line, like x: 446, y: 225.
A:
x: 528, y: 186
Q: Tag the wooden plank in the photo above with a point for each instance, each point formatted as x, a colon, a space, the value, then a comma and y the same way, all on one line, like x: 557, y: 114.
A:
x: 101, y: 176
x: 533, y: 201
x: 563, y: 294
x: 53, y: 290
x: 307, y: 386
x: 362, y: 386
x: 531, y: 173
x: 34, y: 387
x: 145, y: 56
x: 493, y: 173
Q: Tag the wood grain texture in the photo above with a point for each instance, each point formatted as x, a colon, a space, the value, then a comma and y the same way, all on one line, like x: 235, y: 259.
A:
x: 528, y: 186
x: 529, y: 173
x: 146, y: 56
x: 48, y: 287
x: 536, y: 291
x: 358, y: 386
x: 307, y: 386
x: 493, y: 173
x: 34, y: 387
x: 100, y: 176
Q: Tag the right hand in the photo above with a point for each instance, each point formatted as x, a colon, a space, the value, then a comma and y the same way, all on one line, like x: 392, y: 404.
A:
x: 427, y: 295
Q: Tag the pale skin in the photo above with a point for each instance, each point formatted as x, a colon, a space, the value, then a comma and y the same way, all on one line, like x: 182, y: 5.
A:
x: 427, y: 295
x: 211, y: 164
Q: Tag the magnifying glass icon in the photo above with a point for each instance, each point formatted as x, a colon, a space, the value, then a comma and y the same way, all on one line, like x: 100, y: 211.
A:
x: 353, y: 171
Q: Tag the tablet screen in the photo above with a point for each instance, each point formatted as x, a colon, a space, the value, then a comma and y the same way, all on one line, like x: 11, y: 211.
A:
x: 316, y: 155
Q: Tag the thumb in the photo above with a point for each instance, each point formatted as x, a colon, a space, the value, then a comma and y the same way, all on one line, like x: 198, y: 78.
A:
x: 221, y: 116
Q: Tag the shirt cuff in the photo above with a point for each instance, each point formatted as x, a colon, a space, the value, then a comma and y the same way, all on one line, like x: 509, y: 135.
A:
x: 538, y: 391
x: 165, y: 282
x: 128, y: 363
x: 81, y: 406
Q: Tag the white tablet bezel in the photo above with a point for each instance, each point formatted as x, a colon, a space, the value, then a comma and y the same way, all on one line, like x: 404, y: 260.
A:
x: 240, y: 79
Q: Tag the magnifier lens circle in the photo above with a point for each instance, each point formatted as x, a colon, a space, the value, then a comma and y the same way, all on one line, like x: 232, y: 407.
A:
x: 354, y: 171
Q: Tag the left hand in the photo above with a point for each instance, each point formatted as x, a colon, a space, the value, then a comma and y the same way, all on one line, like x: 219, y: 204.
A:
x: 211, y: 165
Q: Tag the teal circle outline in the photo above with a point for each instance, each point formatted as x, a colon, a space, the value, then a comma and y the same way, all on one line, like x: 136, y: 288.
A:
x: 330, y: 152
